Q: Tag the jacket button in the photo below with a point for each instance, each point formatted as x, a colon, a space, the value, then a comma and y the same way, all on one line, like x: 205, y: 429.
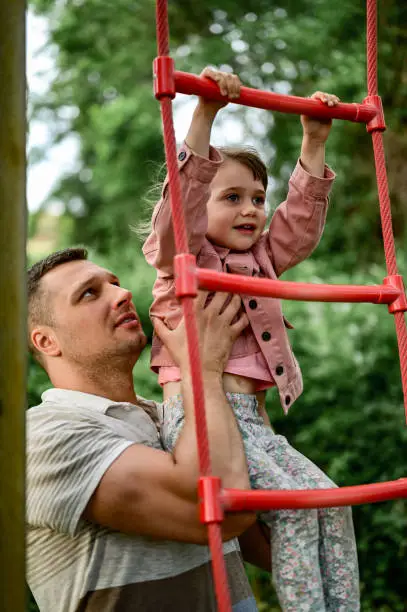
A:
x: 279, y: 370
x: 266, y: 336
x: 182, y: 155
x: 287, y: 400
x: 253, y: 305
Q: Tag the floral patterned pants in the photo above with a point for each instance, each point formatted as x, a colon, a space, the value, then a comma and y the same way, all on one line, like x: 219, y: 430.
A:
x: 314, y: 558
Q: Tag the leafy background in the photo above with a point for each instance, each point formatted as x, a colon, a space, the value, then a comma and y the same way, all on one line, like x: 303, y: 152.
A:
x: 350, y: 419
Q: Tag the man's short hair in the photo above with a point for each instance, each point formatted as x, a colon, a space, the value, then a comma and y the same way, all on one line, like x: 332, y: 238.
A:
x: 39, y: 310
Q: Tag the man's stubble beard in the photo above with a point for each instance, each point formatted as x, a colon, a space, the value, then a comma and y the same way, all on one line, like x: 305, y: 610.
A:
x: 121, y: 357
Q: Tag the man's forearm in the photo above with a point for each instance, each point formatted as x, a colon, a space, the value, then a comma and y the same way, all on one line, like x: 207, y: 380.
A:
x: 255, y: 546
x: 228, y: 460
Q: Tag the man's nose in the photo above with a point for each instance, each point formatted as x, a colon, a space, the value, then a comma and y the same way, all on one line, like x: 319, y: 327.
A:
x: 122, y: 296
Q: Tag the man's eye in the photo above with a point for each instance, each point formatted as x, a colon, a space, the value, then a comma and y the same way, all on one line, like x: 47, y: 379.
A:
x: 88, y: 291
x: 232, y: 197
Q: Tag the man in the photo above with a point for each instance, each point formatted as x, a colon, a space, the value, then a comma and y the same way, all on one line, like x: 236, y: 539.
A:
x: 112, y: 517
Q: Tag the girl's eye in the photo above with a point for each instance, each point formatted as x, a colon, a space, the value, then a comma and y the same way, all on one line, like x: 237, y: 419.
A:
x: 260, y: 201
x: 232, y: 197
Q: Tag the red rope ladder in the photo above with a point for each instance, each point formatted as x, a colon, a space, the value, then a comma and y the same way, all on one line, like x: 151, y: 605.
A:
x: 214, y: 500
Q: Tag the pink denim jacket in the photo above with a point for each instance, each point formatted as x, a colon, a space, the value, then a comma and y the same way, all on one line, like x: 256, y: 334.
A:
x: 295, y: 230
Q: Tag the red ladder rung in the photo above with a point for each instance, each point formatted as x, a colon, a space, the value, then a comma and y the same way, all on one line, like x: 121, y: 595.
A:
x: 192, y: 84
x: 289, y: 290
x: 237, y: 500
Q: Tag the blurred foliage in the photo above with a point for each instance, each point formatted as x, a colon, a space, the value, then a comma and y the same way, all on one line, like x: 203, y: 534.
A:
x: 350, y: 418
x: 102, y: 93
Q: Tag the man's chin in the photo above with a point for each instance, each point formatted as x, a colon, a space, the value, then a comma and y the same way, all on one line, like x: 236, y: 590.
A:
x: 129, y: 350
x: 143, y: 341
x: 139, y: 344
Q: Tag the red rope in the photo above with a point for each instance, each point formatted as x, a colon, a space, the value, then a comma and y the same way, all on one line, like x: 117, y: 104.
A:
x: 384, y: 203
x: 383, y: 188
x: 162, y: 28
x: 181, y: 243
x: 197, y: 386
x: 174, y: 183
x: 371, y: 44
x: 219, y: 568
x: 401, y: 331
x: 214, y: 530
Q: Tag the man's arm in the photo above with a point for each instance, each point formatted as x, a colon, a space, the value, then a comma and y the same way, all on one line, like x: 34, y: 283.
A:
x: 255, y: 546
x: 154, y: 493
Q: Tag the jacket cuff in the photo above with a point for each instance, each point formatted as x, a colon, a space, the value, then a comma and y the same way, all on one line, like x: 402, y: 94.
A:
x: 195, y: 166
x: 314, y: 186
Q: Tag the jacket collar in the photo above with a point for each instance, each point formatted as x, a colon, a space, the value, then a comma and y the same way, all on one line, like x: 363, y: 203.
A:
x: 222, y: 252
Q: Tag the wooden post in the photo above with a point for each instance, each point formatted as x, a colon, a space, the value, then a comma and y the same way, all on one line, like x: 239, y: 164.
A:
x: 12, y: 304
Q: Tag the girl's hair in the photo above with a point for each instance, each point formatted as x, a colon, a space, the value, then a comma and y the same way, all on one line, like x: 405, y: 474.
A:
x: 143, y: 227
x: 247, y: 156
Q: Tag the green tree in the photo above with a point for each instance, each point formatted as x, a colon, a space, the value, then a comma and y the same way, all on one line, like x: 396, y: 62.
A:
x: 277, y: 48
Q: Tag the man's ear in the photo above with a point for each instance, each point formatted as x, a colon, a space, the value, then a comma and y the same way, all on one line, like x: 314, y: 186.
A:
x: 45, y: 341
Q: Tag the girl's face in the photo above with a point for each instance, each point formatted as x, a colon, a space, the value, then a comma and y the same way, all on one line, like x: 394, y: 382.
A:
x: 236, y: 207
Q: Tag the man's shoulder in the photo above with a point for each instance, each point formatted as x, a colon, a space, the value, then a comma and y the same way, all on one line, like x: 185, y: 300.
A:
x: 48, y: 411
x: 65, y: 415
x: 50, y: 424
x: 77, y: 405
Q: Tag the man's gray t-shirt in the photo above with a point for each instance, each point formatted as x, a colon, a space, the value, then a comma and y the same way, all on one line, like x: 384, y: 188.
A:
x: 74, y: 565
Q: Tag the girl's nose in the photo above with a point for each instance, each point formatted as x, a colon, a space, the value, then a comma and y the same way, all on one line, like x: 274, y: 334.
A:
x: 248, y: 208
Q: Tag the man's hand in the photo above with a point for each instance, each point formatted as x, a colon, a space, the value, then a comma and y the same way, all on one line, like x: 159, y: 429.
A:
x: 218, y: 327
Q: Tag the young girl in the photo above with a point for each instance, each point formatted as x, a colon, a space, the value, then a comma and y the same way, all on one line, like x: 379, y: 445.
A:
x: 314, y: 556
